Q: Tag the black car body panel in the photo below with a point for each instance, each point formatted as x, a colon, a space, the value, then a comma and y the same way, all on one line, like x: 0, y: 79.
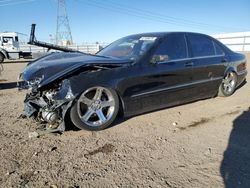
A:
x: 58, y: 65
x: 141, y: 85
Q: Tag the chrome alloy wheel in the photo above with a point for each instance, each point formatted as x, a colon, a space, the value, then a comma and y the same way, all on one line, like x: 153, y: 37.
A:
x: 96, y: 106
x: 229, y: 83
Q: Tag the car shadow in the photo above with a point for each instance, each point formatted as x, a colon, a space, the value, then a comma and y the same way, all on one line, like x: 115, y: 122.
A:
x: 71, y: 127
x: 8, y: 85
x: 235, y: 166
x: 241, y: 85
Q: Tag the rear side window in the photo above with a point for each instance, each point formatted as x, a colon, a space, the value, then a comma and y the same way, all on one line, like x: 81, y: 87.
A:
x: 201, y: 45
x: 218, y: 50
x: 174, y: 46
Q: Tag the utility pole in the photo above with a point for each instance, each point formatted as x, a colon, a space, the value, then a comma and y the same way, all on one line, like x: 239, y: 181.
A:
x: 63, y: 32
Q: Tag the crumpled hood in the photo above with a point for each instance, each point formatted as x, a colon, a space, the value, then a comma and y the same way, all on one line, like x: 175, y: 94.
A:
x: 56, y: 65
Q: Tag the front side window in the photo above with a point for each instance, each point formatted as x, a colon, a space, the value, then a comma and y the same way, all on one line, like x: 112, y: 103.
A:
x: 201, y: 45
x: 173, y: 47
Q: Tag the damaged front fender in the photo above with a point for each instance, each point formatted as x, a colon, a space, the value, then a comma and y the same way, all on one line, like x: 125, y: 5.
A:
x: 56, y: 81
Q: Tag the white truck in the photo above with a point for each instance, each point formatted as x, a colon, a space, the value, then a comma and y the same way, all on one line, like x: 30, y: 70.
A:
x: 9, y: 47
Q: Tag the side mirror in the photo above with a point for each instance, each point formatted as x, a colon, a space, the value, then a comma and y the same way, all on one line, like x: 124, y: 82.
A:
x: 159, y: 58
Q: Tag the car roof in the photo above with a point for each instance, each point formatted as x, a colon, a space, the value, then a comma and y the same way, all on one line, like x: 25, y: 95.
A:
x: 162, y: 34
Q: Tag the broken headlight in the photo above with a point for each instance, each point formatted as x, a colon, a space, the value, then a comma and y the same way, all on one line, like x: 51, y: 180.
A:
x: 34, y: 83
x: 28, y: 84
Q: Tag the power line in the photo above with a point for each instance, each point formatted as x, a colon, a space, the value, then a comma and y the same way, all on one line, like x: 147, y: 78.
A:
x: 99, y: 5
x: 148, y: 15
x: 2, y: 1
x: 167, y: 17
x: 16, y: 3
x: 176, y: 21
x: 134, y: 14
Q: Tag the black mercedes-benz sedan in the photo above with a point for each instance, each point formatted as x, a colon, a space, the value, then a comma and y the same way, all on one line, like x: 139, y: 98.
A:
x: 133, y: 75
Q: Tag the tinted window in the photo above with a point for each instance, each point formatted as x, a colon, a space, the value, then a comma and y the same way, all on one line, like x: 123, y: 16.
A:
x: 201, y: 45
x: 218, y: 50
x: 174, y: 46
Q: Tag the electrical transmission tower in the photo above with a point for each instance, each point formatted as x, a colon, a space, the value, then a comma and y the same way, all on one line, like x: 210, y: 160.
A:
x: 63, y: 32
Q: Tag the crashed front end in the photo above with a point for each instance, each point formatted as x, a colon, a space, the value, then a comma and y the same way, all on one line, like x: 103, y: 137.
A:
x: 47, y: 105
x: 50, y: 81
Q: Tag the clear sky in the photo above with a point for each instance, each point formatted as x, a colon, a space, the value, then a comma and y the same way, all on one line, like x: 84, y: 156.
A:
x: 108, y: 20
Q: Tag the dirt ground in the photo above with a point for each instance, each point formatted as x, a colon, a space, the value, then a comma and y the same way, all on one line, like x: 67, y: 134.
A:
x: 202, y: 144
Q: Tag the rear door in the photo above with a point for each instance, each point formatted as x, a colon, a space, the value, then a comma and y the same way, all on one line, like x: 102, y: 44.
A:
x: 208, y: 64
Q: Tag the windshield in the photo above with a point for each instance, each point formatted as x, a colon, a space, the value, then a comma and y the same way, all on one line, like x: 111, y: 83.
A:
x: 131, y: 47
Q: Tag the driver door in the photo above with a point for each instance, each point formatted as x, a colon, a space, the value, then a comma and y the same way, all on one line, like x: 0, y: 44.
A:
x: 168, y: 80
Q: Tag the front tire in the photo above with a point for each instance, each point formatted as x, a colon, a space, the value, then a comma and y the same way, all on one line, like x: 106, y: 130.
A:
x: 96, y: 109
x: 228, y: 85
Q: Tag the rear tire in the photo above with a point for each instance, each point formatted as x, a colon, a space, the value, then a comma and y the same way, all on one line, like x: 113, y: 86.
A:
x: 228, y: 85
x: 96, y: 109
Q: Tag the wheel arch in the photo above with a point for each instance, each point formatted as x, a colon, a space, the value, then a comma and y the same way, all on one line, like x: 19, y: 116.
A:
x: 230, y: 69
x: 220, y: 89
x: 82, y: 82
x: 112, y: 86
x: 4, y: 53
x: 121, y: 101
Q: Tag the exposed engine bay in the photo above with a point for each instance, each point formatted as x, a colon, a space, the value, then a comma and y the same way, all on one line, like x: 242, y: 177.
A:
x: 49, y: 106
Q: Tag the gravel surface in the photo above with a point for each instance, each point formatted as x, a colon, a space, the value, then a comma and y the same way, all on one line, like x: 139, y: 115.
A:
x: 202, y: 144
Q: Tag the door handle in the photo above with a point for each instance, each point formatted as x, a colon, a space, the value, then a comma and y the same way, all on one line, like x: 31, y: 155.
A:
x: 189, y: 64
